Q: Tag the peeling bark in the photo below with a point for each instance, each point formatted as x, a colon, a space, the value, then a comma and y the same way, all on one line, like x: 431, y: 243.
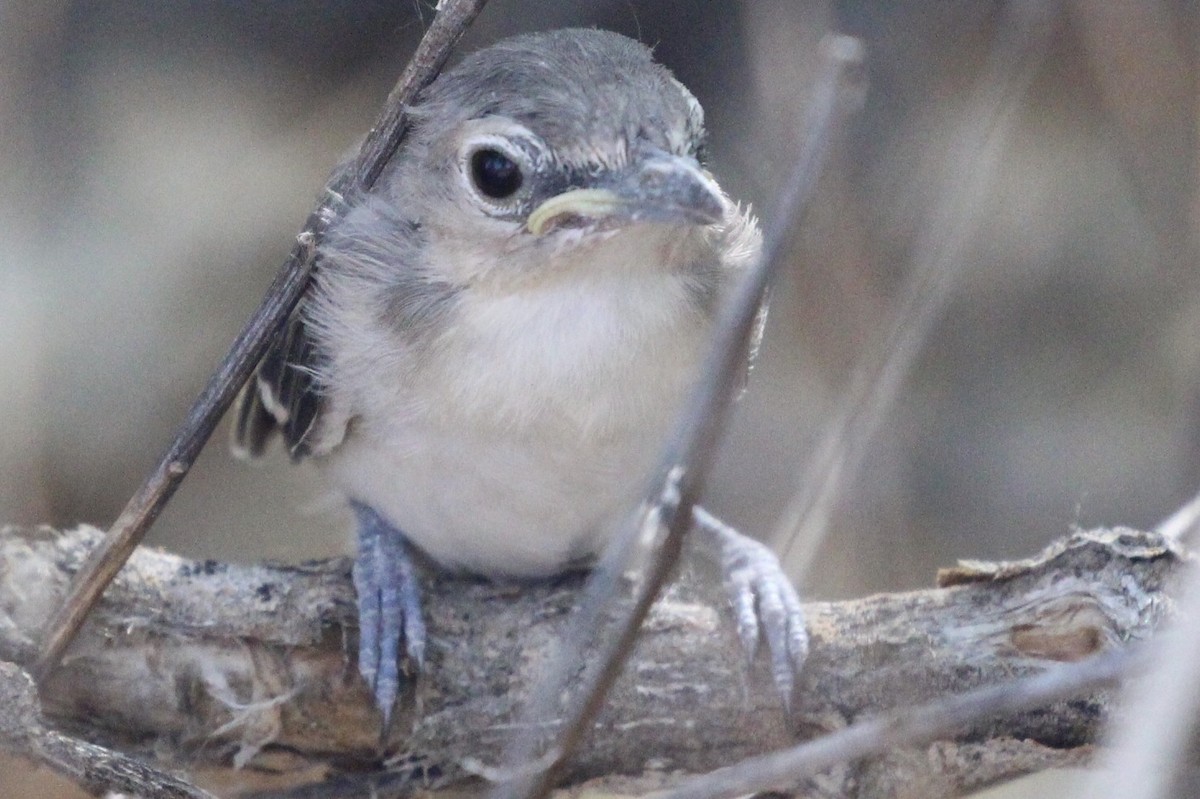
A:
x: 213, y: 665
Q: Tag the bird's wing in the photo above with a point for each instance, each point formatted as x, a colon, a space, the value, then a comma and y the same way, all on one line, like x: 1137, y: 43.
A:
x: 282, y: 397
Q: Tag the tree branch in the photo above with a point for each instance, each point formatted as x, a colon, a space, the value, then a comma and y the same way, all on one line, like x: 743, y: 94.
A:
x: 909, y: 726
x: 213, y: 665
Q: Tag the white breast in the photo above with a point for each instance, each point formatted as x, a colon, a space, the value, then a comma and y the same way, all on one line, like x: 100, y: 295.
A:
x: 530, y: 428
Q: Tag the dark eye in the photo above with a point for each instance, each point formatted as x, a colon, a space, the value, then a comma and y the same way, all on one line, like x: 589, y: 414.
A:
x: 495, y: 174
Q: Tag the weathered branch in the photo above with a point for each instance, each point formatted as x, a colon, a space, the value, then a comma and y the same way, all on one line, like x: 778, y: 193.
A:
x: 907, y: 727
x: 209, y: 663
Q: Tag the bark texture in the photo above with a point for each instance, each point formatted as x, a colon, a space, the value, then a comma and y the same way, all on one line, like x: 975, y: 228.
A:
x: 210, y: 666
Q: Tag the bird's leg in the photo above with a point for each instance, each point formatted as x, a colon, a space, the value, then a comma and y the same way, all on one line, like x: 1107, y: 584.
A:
x: 389, y: 607
x: 765, y: 602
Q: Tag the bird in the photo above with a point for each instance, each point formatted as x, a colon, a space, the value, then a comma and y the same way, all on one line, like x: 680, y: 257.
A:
x: 500, y: 332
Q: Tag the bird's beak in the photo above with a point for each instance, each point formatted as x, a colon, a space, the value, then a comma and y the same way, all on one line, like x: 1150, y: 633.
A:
x: 660, y: 188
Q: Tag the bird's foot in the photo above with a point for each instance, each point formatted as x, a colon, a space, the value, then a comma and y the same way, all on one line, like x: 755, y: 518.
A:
x: 389, y: 607
x: 765, y: 602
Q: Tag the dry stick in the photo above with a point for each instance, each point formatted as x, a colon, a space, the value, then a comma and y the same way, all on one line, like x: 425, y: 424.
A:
x: 92, y: 767
x: 667, y: 514
x: 105, y: 772
x: 453, y: 18
x: 1181, y: 525
x: 1152, y: 745
x: 782, y: 770
x: 938, y: 263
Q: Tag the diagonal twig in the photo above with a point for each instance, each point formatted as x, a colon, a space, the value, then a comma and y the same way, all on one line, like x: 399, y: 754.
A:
x: 92, y: 767
x: 782, y: 770
x: 1182, y: 525
x: 1148, y: 760
x: 654, y: 537
x: 938, y: 265
x: 452, y: 20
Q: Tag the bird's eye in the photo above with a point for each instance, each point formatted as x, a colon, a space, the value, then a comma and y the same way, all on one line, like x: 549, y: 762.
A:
x: 494, y: 174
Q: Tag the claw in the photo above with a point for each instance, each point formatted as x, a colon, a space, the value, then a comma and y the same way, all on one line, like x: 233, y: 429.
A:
x: 765, y: 604
x: 739, y: 585
x: 365, y: 582
x: 390, y: 620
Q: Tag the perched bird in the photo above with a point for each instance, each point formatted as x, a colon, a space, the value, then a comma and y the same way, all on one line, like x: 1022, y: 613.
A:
x: 501, y: 332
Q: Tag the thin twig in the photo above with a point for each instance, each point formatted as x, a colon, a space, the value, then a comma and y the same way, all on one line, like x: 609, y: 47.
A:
x: 938, y: 264
x: 1153, y: 745
x: 453, y: 18
x: 90, y: 766
x: 917, y: 725
x: 450, y: 23
x: 655, y: 535
x: 1181, y: 525
x: 1149, y: 98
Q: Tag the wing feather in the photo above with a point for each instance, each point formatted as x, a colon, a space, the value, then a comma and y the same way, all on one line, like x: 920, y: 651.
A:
x: 283, y: 398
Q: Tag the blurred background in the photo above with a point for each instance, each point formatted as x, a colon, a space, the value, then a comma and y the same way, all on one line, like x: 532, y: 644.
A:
x: 1002, y: 254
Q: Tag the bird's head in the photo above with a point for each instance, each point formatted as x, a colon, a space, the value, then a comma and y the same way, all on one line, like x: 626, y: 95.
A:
x: 551, y: 143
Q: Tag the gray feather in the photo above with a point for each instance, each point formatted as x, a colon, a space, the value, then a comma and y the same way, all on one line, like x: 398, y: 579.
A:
x: 593, y: 97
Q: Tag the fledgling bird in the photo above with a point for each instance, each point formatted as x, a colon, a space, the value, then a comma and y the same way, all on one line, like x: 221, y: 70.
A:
x: 501, y: 332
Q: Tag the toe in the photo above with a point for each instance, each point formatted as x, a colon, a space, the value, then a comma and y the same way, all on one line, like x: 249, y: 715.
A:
x: 391, y: 629
x: 408, y: 598
x: 389, y: 608
x: 740, y: 588
x: 765, y: 603
x: 787, y: 638
x: 365, y: 585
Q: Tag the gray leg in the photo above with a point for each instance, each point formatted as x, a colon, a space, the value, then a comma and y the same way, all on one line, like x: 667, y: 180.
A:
x: 764, y: 600
x: 389, y: 607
